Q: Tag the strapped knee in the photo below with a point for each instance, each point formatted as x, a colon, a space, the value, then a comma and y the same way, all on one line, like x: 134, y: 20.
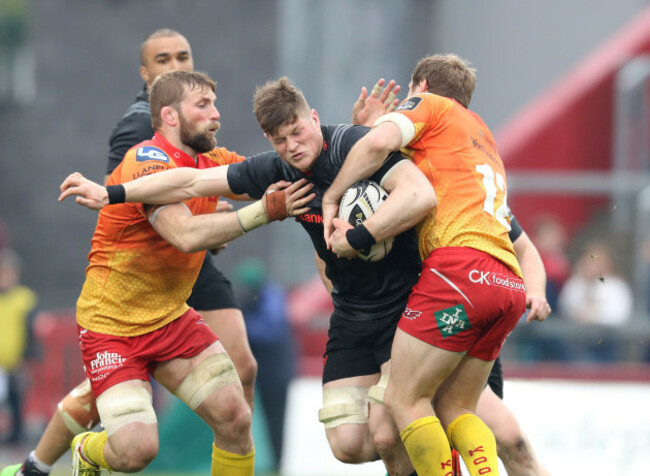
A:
x: 123, y: 404
x: 344, y: 405
x: 376, y: 392
x: 78, y: 409
x: 209, y: 375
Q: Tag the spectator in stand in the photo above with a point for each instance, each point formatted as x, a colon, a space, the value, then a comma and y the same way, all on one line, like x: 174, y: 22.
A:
x: 551, y: 240
x: 17, y: 304
x: 596, y: 295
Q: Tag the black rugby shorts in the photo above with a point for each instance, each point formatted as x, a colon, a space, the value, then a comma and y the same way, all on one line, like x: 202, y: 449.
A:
x: 212, y: 289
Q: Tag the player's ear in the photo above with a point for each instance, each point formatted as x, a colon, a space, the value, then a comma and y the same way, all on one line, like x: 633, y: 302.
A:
x: 315, y: 118
x: 144, y: 74
x: 169, y: 115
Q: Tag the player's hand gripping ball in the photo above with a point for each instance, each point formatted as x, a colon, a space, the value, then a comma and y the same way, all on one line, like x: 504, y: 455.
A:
x: 359, y: 203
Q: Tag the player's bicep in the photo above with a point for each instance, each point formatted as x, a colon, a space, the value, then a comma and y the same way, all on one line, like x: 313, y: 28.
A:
x: 405, y: 175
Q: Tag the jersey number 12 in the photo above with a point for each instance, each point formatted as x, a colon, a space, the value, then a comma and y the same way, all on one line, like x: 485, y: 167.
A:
x: 494, y: 185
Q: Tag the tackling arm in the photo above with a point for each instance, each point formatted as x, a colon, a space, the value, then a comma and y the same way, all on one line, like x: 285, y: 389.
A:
x: 411, y: 197
x: 177, y: 185
x: 364, y: 159
x: 170, y: 186
x: 191, y: 233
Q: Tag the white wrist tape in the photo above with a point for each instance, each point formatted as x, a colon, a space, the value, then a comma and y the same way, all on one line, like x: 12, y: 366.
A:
x: 406, y: 127
x: 252, y: 216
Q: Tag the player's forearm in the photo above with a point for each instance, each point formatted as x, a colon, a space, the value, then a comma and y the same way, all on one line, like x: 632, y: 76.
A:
x: 202, y: 232
x: 406, y: 206
x: 531, y: 265
x: 177, y: 185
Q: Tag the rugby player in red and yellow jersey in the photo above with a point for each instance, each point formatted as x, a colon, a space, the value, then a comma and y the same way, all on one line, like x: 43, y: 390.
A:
x: 470, y: 294
x: 132, y: 316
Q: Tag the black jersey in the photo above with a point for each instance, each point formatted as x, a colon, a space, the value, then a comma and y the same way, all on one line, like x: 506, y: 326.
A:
x: 362, y: 290
x: 134, y: 127
x: 515, y: 228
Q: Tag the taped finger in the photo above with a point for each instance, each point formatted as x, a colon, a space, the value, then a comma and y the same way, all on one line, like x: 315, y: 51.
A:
x: 376, y: 90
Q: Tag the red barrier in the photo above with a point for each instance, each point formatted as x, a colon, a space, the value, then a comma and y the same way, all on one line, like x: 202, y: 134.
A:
x: 570, y: 127
x: 58, y: 369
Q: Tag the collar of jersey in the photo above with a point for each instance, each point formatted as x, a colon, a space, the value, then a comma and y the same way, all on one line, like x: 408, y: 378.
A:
x: 180, y: 158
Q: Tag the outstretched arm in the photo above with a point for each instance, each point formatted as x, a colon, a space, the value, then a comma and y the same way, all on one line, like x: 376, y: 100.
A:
x: 191, y: 233
x: 170, y: 186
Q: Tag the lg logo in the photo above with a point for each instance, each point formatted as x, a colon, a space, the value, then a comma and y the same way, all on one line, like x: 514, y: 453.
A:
x: 481, y: 277
x: 151, y: 153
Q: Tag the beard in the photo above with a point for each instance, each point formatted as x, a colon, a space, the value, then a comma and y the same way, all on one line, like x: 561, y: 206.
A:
x: 199, y: 141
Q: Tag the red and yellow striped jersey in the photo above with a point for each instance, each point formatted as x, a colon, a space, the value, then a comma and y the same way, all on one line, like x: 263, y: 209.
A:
x: 456, y: 151
x: 136, y: 281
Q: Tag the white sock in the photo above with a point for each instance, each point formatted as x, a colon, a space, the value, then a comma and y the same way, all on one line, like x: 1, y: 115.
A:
x: 40, y: 465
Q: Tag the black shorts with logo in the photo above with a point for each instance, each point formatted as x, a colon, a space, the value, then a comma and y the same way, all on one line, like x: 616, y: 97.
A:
x: 495, y: 380
x: 357, y: 348
x: 212, y: 290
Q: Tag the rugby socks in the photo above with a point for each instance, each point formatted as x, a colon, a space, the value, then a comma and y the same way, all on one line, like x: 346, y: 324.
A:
x: 225, y: 463
x: 34, y: 467
x: 475, y: 443
x: 93, y: 448
x: 428, y: 447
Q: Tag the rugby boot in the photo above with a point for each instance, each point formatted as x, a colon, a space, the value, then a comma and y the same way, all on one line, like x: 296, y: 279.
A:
x: 80, y: 464
x: 11, y: 470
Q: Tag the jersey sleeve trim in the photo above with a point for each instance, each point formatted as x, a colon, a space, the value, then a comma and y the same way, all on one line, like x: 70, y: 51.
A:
x: 406, y: 127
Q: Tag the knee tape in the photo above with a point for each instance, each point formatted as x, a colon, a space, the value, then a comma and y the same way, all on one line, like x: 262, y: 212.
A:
x: 123, y: 404
x: 376, y: 392
x: 78, y: 409
x: 344, y: 405
x: 211, y: 374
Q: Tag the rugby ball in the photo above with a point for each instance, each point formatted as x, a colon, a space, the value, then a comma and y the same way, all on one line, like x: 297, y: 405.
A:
x: 360, y: 202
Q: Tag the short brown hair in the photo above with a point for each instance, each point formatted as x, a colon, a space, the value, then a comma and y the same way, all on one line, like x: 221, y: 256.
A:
x: 447, y: 75
x: 170, y: 88
x: 277, y: 104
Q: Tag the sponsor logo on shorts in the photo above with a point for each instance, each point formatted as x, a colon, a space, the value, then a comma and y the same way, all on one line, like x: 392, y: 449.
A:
x: 411, y: 314
x: 452, y: 320
x: 489, y: 278
x: 409, y: 104
x: 151, y: 153
x: 103, y: 363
